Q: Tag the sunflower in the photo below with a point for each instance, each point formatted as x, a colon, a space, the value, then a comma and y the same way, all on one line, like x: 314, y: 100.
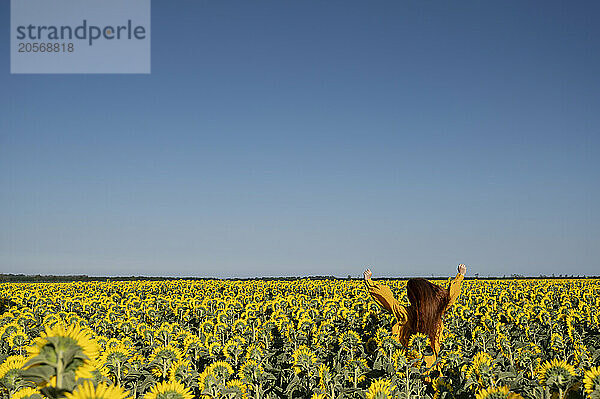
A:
x: 356, y: 369
x: 239, y: 326
x: 480, y: 369
x: 503, y: 343
x: 66, y: 335
x: 497, y: 393
x: 557, y: 342
x: 371, y: 345
x: 305, y: 325
x: 237, y: 388
x: 221, y: 329
x: 208, y: 327
x: 419, y: 342
x: 233, y: 349
x: 9, y: 371
x: 169, y: 390
x: 102, y: 391
x: 556, y: 374
x: 380, y: 389
x: 254, y: 352
x: 206, y: 380
x: 350, y: 341
x: 179, y: 370
x: 440, y: 386
x: 251, y: 372
x: 304, y: 359
x: 18, y: 340
x: 591, y: 381
x: 214, y: 349
x: 164, y: 334
x: 192, y: 345
x: 114, y: 359
x: 146, y: 333
x: 221, y: 370
x: 388, y: 345
x: 381, y: 334
x: 55, y: 347
x: 325, y: 377
x: 162, y: 358
x: 10, y: 329
x: 581, y: 353
x: 400, y: 361
x: 27, y: 393
x: 101, y: 340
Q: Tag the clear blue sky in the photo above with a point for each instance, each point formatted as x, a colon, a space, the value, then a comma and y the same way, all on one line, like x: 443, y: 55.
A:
x: 313, y: 138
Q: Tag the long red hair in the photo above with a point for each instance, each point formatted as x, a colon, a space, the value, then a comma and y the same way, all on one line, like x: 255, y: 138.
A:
x: 428, y: 302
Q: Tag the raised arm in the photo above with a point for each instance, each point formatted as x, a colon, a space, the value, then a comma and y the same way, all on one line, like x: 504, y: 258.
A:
x: 384, y: 296
x: 455, y: 285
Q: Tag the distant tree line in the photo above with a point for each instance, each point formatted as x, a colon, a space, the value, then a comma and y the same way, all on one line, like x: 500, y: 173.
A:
x: 25, y: 278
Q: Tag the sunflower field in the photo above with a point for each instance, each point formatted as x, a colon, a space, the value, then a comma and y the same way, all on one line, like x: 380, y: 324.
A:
x: 183, y: 339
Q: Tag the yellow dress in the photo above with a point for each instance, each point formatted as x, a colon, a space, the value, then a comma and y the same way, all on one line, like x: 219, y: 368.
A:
x: 383, y: 295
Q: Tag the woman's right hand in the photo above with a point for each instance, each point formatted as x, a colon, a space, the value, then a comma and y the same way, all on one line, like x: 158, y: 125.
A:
x: 367, y: 274
x: 462, y: 269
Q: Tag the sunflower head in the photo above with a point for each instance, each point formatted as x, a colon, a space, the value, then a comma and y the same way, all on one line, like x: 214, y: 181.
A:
x: 325, y: 377
x: 400, y: 361
x: 556, y: 374
x: 164, y: 356
x: 356, y: 370
x: 419, y: 343
x: 18, y: 340
x: 480, y: 369
x: 233, y: 348
x: 10, y: 377
x: 180, y: 370
x: 350, y: 340
x: 497, y: 393
x: 206, y: 381
x: 254, y: 352
x: 221, y: 370
x: 381, y: 334
x: 304, y: 359
x: 305, y: 325
x: 591, y: 382
x: 371, y: 345
x: 87, y: 390
x: 388, y: 345
x: 214, y: 349
x: 169, y: 390
x: 251, y: 372
x: 10, y: 329
x: 557, y: 342
x: 236, y: 389
x: 114, y: 355
x: 440, y: 386
x: 61, y: 355
x: 381, y: 389
x: 27, y: 393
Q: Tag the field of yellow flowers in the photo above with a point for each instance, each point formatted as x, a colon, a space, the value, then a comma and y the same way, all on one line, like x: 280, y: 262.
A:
x: 293, y: 339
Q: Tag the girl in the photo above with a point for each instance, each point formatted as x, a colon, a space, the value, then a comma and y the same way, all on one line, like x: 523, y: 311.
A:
x: 428, y: 302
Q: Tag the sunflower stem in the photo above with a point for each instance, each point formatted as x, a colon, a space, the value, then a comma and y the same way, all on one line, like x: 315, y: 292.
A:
x: 59, y: 369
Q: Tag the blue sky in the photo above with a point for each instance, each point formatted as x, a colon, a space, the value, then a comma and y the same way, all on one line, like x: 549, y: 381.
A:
x: 314, y: 138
